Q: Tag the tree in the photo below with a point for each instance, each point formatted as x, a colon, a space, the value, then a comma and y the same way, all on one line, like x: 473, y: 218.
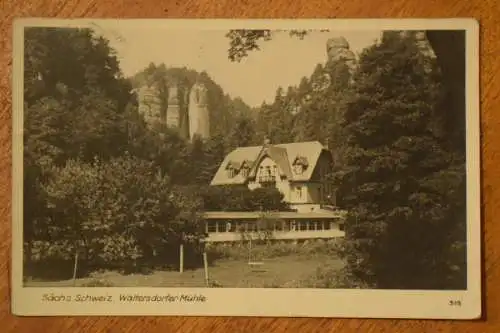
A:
x: 401, y: 183
x: 242, y: 41
x: 73, y: 196
x: 275, y: 120
x: 198, y: 161
x: 241, y: 198
x: 112, y: 213
x: 242, y: 134
x: 448, y: 45
x: 75, y: 100
x: 215, y: 152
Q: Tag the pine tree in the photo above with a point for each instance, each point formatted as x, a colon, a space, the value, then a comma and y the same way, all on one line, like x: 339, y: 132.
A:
x: 337, y: 96
x: 400, y: 184
x: 242, y: 134
x: 215, y: 151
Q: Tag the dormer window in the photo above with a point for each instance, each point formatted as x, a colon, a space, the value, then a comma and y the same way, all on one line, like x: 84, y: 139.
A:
x: 245, y: 171
x: 231, y: 173
x: 232, y: 169
x: 245, y: 168
x: 300, y: 164
x: 298, y: 169
x: 267, y: 174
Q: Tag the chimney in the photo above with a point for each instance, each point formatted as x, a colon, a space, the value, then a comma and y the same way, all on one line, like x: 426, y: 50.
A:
x: 267, y: 141
x: 327, y: 144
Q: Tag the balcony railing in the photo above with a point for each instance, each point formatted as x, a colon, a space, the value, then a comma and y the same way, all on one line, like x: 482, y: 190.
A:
x: 267, y: 179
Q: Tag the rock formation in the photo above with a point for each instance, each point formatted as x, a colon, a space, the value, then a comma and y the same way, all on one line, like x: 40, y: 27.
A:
x: 198, y: 111
x: 149, y: 103
x: 185, y: 109
x: 337, y: 49
x: 173, y: 109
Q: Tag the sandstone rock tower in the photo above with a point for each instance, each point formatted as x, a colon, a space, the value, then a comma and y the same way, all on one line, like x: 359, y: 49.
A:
x: 173, y: 108
x: 198, y: 111
x: 338, y: 49
x: 149, y: 103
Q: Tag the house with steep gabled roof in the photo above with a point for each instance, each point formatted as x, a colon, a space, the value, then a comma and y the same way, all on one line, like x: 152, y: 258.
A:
x: 299, y: 170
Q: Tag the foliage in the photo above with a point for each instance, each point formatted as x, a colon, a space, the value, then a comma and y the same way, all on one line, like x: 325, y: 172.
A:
x: 74, y: 104
x: 243, y: 133
x: 102, y: 184
x: 98, y: 283
x: 401, y: 183
x: 243, y: 41
x: 113, y: 212
x: 241, y: 198
x: 275, y: 249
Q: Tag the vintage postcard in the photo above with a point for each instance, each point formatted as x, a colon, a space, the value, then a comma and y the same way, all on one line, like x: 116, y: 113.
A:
x: 298, y: 168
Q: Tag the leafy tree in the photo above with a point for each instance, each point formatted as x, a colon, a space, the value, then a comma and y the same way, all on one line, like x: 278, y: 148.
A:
x: 73, y: 197
x: 241, y: 198
x: 401, y: 183
x: 242, y: 41
x: 267, y: 199
x: 118, y: 213
x: 75, y: 100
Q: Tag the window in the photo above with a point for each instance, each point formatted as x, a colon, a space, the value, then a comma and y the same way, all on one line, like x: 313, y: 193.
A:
x: 319, y: 225
x: 341, y: 226
x: 231, y: 172
x: 326, y: 225
x: 298, y: 169
x: 298, y: 192
x: 267, y: 174
x: 222, y: 226
x: 279, y: 226
x: 245, y: 171
x: 303, y: 226
x: 241, y: 227
x: 211, y: 226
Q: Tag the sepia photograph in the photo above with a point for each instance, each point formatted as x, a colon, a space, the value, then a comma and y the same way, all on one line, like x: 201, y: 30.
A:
x: 214, y: 168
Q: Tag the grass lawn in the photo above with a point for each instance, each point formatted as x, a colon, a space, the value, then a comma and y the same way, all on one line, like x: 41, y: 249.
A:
x: 286, y: 271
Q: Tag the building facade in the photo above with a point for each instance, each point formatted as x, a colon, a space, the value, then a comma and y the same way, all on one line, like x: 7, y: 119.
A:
x: 300, y: 172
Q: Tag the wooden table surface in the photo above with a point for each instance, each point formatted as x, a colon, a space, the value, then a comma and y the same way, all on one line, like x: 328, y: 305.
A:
x: 487, y: 11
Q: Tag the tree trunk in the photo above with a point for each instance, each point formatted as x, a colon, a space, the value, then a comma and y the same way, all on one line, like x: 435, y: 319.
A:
x: 75, y: 267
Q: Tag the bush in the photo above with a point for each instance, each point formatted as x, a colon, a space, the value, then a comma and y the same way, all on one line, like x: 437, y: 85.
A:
x: 273, y: 249
x: 214, y: 284
x: 119, y: 213
x: 98, y: 283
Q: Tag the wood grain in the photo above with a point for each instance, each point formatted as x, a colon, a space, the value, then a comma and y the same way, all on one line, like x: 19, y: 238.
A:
x: 487, y: 11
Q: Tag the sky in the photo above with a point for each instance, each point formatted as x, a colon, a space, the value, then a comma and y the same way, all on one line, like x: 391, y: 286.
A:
x: 283, y: 61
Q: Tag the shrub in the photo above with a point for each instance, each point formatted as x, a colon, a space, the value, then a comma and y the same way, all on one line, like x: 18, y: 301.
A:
x: 273, y: 249
x: 98, y: 283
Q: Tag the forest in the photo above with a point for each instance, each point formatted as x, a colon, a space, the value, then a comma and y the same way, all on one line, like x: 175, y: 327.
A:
x: 102, y: 189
